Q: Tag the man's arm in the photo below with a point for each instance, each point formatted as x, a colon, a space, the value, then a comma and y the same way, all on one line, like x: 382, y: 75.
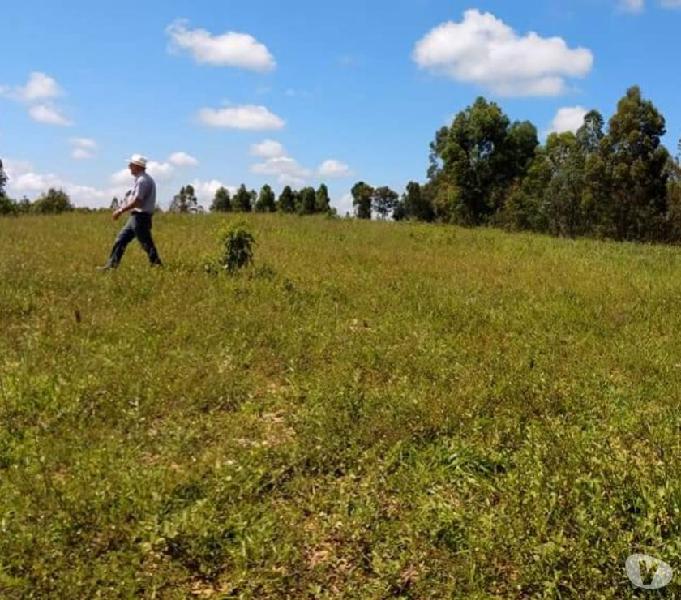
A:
x: 136, y: 202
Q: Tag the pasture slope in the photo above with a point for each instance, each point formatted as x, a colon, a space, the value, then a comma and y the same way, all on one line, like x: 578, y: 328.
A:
x: 374, y: 410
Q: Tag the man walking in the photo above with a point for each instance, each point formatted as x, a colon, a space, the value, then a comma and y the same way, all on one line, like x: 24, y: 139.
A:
x: 141, y: 202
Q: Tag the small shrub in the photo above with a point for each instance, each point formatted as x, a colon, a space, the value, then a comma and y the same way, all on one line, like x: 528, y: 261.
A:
x: 238, y: 248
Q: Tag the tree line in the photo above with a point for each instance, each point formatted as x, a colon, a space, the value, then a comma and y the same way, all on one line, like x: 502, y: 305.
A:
x: 616, y: 181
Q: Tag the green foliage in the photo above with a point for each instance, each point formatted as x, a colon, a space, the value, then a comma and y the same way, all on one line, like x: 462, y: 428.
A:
x: 3, y: 181
x: 634, y: 164
x: 266, y: 200
x: 243, y: 199
x: 481, y: 154
x: 52, y: 203
x: 184, y: 201
x: 221, y: 201
x: 385, y: 201
x: 287, y: 201
x: 238, y: 245
x: 7, y: 206
x: 322, y: 200
x: 307, y: 199
x: 362, y: 199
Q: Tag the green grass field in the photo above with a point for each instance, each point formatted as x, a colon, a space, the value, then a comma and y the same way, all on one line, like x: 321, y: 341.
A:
x: 373, y: 410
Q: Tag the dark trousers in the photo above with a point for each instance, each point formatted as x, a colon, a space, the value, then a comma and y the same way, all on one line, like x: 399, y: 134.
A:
x: 138, y: 226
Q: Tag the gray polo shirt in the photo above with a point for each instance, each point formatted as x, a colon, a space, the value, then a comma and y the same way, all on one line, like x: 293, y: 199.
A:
x: 145, y: 190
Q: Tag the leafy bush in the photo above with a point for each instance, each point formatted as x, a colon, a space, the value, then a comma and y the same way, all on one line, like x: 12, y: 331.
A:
x: 238, y: 245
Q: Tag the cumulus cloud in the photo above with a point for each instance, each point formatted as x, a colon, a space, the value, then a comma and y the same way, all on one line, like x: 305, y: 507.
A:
x: 483, y: 50
x: 38, y: 93
x: 229, y: 49
x: 38, y: 87
x: 287, y: 170
x: 334, y: 168
x: 633, y: 6
x: 268, y: 149
x: 344, y: 205
x: 569, y: 118
x: 182, y: 159
x: 205, y: 190
x: 83, y: 148
x: 24, y: 180
x: 248, y: 117
x: 44, y: 113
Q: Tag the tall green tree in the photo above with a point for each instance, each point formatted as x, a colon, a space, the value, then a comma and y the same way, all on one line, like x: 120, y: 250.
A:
x: 287, y: 201
x: 322, y: 200
x: 266, y: 200
x: 564, y: 192
x: 53, y: 202
x: 243, y: 199
x: 307, y: 201
x: 3, y: 181
x: 417, y: 204
x: 385, y: 201
x: 362, y: 199
x: 222, y: 201
x: 634, y: 167
x: 184, y: 201
x: 481, y: 154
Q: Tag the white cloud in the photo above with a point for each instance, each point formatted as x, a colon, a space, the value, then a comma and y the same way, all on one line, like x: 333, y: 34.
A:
x: 84, y: 143
x: 24, y: 180
x: 268, y: 149
x: 182, y: 159
x: 569, y: 118
x: 81, y: 154
x: 286, y: 169
x: 483, y: 50
x: 229, y: 49
x: 160, y: 170
x: 122, y: 177
x: 37, y: 93
x: 44, y: 113
x: 205, y: 190
x: 249, y: 117
x: 634, y: 6
x: 334, y: 168
x: 38, y: 87
x: 83, y: 148
x: 344, y: 205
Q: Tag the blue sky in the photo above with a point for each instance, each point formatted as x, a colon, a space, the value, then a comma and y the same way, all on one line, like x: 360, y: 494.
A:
x: 300, y: 92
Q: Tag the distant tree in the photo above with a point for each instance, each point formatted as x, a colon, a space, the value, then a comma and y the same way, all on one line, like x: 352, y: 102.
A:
x: 385, y: 201
x: 221, y: 202
x: 114, y: 203
x: 322, y: 200
x: 416, y: 203
x: 362, y: 199
x: 481, y: 154
x: 266, y: 200
x: 307, y: 201
x: 564, y: 192
x: 634, y: 168
x: 243, y: 199
x: 400, y: 210
x: 3, y: 181
x: 287, y: 201
x: 24, y: 206
x: 53, y: 202
x: 184, y: 201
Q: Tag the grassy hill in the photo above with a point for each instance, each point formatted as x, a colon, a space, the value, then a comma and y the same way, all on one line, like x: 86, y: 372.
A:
x: 374, y: 410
